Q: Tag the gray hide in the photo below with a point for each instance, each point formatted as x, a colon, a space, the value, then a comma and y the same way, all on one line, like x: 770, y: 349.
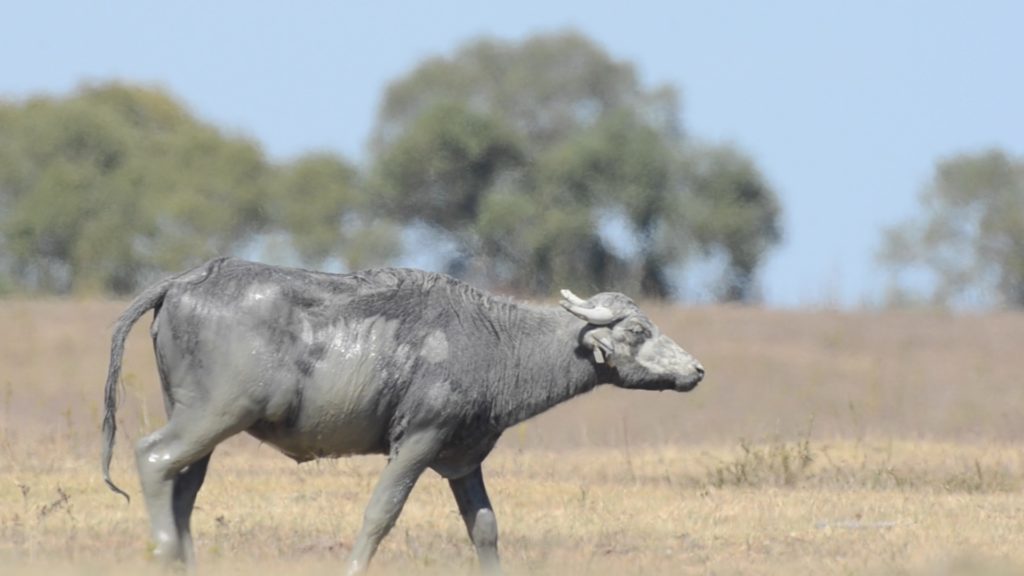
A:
x: 415, y: 365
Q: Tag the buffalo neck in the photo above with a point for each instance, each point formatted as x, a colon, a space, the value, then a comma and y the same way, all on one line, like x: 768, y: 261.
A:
x: 546, y: 366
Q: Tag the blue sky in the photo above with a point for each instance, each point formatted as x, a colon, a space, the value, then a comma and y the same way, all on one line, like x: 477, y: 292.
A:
x: 844, y: 106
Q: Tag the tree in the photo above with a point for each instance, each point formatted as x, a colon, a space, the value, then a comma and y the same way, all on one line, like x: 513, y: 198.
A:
x: 107, y: 188
x: 320, y: 203
x: 115, y: 185
x: 544, y: 88
x: 734, y: 213
x: 441, y: 167
x: 524, y: 153
x: 968, y: 241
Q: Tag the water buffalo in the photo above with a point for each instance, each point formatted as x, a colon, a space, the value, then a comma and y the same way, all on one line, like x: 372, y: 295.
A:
x: 416, y: 365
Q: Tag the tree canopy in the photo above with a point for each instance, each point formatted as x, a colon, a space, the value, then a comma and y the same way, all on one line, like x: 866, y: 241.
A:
x: 115, y: 185
x: 526, y: 155
x: 968, y: 239
x: 546, y: 163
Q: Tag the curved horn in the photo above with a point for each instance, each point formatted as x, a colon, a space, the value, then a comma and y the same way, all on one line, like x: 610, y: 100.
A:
x: 573, y: 299
x: 584, y: 310
x: 598, y: 315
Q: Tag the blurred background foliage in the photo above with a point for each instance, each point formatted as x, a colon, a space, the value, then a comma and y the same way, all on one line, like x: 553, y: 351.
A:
x: 522, y: 166
x: 965, y: 247
x: 531, y: 166
x: 547, y: 163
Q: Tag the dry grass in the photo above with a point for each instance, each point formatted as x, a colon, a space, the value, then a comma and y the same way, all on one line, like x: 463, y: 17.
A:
x: 853, y: 508
x: 821, y: 444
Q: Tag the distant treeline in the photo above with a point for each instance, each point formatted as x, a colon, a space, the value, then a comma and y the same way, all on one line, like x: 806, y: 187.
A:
x: 537, y: 165
x: 533, y: 165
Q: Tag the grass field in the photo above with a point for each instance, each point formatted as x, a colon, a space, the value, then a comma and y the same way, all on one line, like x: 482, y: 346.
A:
x: 820, y: 443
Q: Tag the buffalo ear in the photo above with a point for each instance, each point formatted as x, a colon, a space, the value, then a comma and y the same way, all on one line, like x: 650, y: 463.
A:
x: 599, y: 341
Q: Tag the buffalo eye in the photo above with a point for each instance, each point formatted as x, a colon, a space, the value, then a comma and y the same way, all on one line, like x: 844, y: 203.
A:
x: 637, y: 332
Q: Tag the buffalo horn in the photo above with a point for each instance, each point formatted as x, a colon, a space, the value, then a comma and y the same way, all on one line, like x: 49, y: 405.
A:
x: 596, y: 315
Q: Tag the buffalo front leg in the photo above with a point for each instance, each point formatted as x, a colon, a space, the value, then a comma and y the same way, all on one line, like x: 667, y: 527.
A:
x: 476, y: 511
x: 406, y: 464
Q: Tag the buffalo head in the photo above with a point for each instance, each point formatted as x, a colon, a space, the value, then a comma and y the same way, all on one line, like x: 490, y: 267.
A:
x: 620, y: 336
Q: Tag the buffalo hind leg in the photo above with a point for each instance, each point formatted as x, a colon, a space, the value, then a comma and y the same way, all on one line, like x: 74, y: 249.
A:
x: 476, y: 511
x: 407, y: 463
x: 161, y: 457
x: 186, y: 488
